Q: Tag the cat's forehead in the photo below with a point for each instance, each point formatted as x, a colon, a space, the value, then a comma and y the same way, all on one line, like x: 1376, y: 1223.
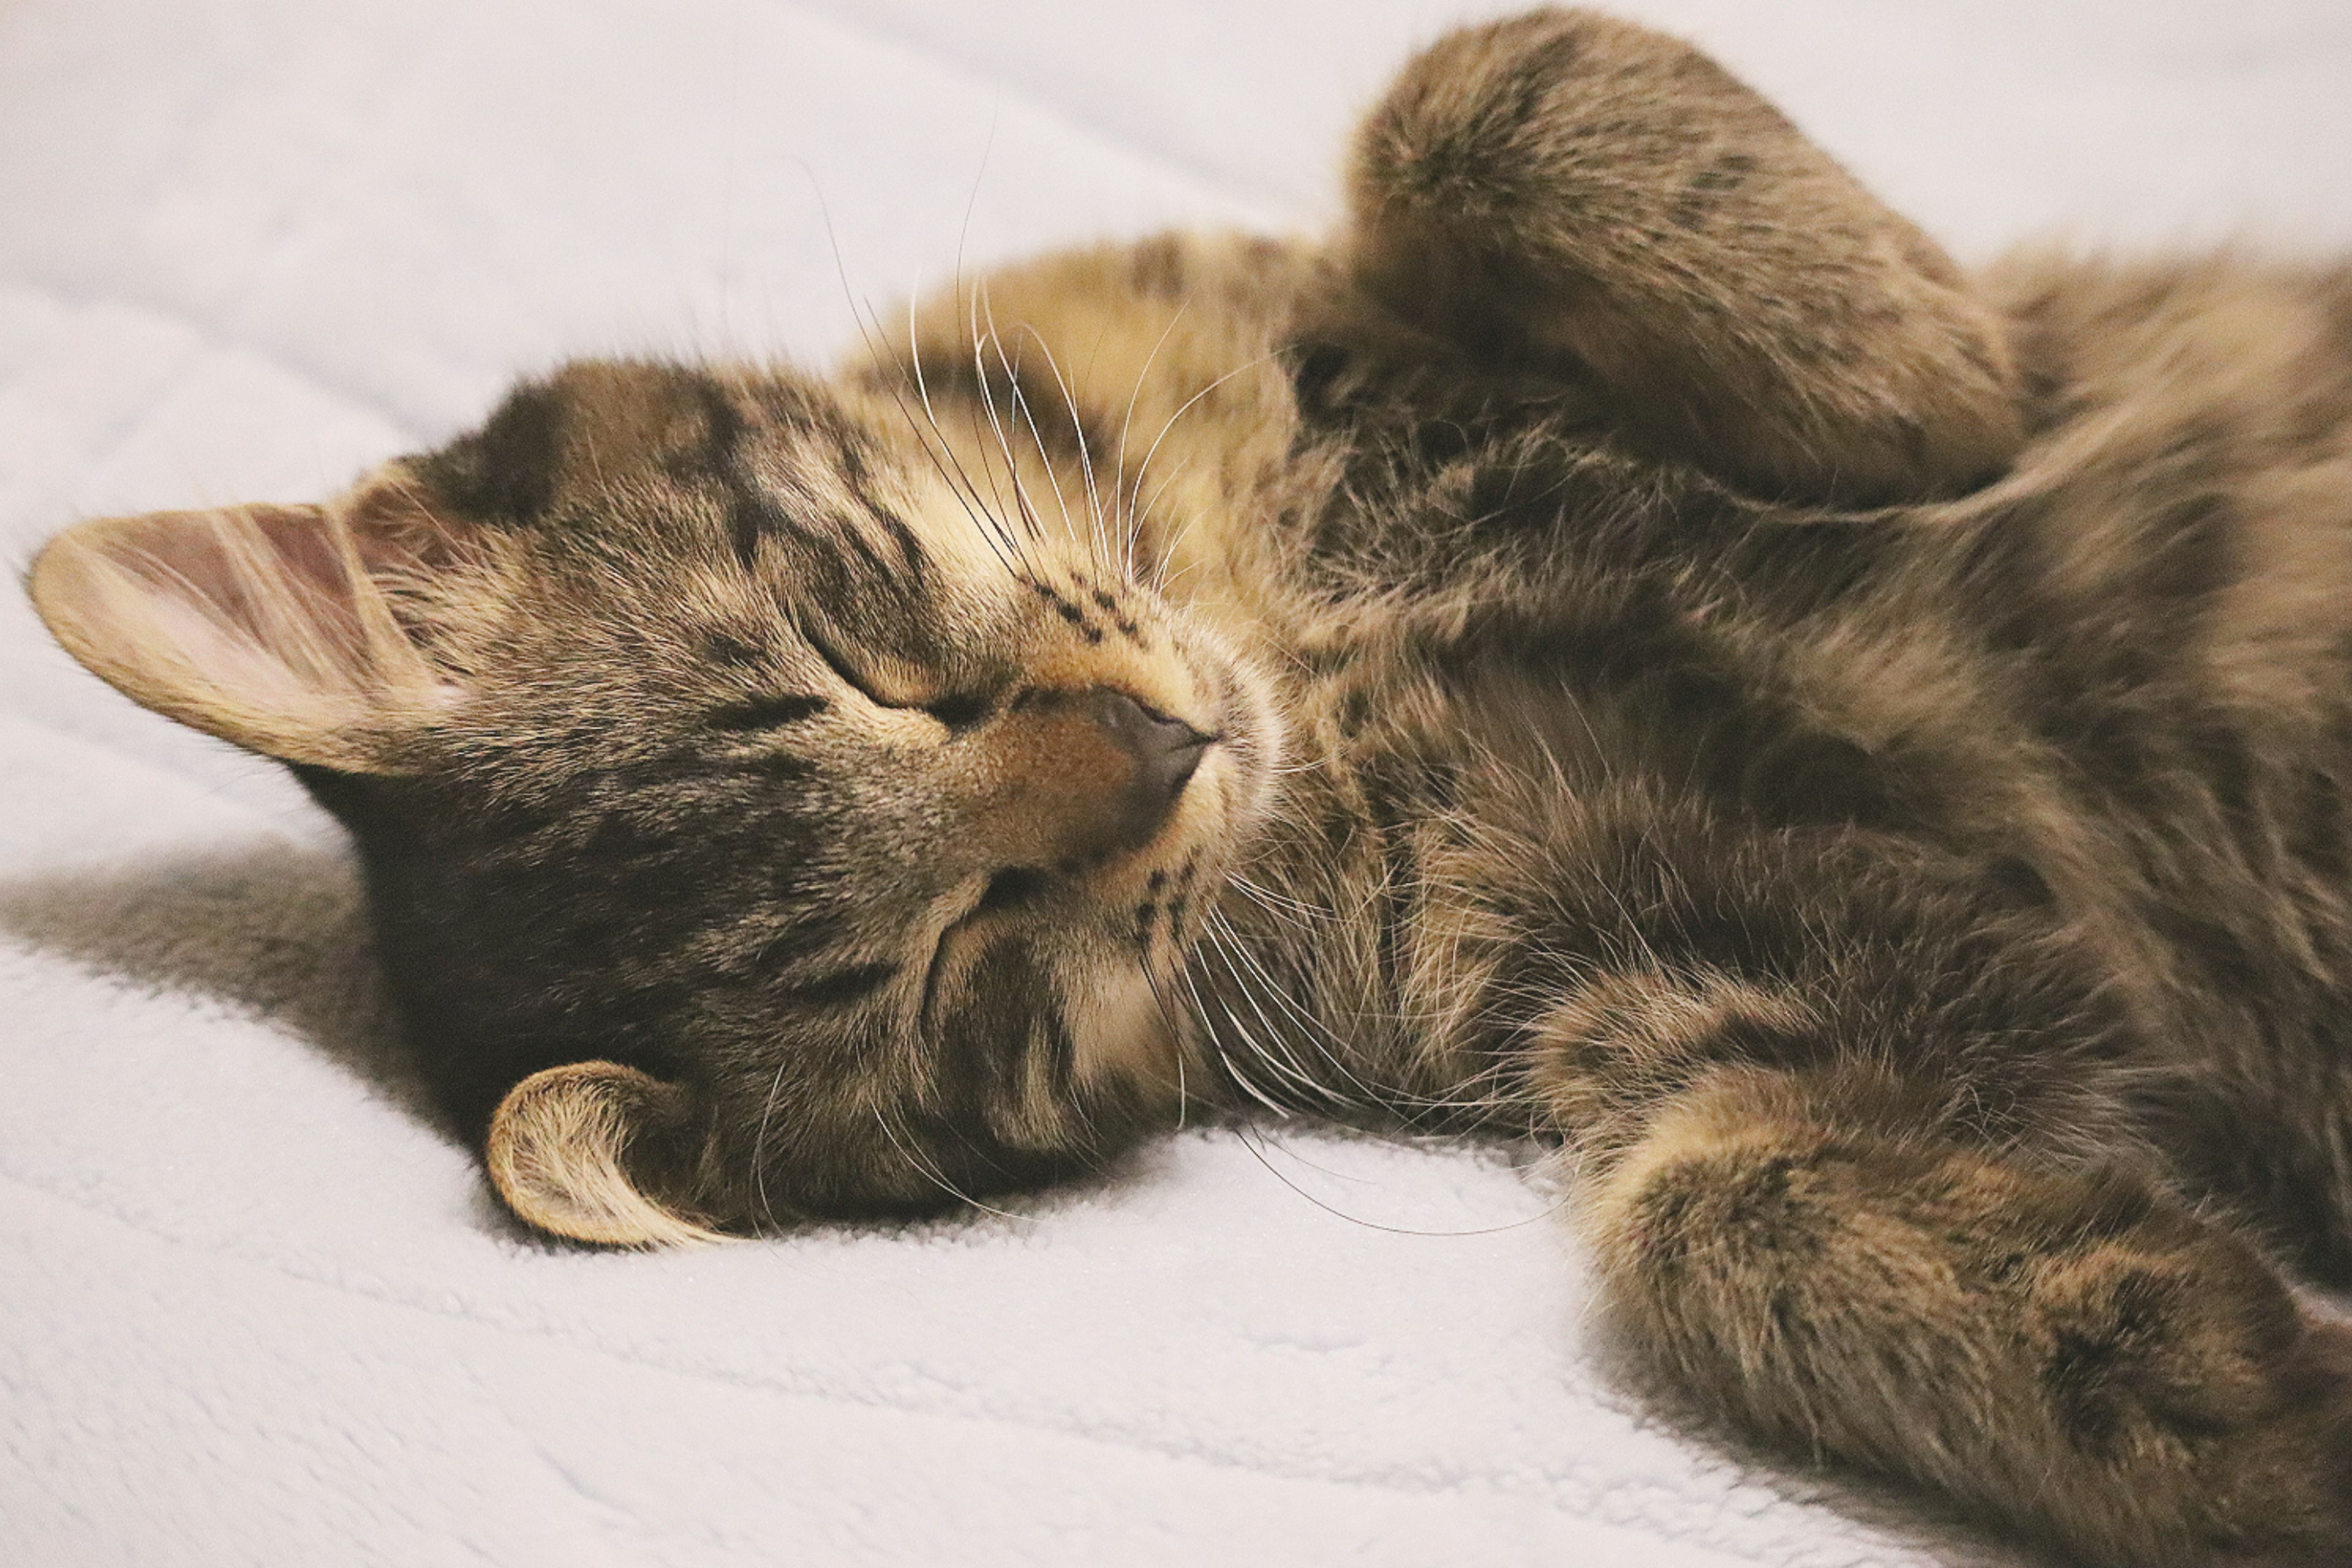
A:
x: 706, y: 481
x: 671, y: 542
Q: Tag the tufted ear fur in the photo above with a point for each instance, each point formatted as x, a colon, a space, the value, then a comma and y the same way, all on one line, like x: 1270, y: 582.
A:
x: 590, y: 1151
x: 1572, y: 192
x: 300, y: 632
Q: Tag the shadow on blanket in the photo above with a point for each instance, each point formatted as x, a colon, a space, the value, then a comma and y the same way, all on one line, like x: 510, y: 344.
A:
x: 276, y: 929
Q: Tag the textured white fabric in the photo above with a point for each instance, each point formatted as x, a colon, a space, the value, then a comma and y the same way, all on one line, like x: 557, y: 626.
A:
x: 253, y: 1311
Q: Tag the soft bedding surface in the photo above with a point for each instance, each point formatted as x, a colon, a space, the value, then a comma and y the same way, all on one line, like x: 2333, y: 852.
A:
x: 254, y: 1311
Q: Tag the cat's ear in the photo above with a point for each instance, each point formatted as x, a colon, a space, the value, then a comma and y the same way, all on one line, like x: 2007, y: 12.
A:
x: 590, y: 1150
x: 301, y: 632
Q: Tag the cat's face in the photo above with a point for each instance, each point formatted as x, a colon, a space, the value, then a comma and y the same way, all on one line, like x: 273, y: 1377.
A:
x: 810, y: 824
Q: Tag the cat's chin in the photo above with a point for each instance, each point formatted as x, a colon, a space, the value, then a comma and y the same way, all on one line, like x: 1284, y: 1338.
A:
x: 1128, y: 1044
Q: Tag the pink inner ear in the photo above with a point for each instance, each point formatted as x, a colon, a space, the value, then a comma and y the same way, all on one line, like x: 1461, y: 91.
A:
x: 263, y: 624
x: 271, y: 576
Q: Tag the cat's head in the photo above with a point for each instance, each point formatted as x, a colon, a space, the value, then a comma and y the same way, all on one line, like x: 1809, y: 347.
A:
x: 760, y: 821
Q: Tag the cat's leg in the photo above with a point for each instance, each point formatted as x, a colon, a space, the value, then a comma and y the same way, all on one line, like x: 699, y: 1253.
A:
x: 1565, y: 190
x: 2065, y: 1350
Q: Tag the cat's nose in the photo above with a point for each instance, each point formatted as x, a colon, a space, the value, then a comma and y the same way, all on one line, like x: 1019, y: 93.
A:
x: 1068, y: 777
x: 1163, y: 753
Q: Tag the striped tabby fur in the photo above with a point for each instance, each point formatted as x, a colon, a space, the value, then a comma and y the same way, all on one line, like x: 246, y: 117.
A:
x: 1625, y: 644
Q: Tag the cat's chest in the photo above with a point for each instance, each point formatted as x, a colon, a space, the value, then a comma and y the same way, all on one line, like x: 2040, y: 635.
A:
x: 1424, y: 719
x: 1442, y: 787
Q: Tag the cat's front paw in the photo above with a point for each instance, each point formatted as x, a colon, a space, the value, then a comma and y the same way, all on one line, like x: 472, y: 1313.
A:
x: 2073, y: 1355
x: 2281, y: 1489
x: 2208, y: 1415
x: 1571, y: 192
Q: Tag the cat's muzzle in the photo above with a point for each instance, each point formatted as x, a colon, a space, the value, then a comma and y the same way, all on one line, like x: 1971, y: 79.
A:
x: 1084, y: 775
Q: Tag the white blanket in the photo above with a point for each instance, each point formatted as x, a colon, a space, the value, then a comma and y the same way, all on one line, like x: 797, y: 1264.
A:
x: 254, y: 1312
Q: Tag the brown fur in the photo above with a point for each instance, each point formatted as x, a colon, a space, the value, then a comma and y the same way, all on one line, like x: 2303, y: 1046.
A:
x: 1560, y: 188
x: 575, y: 1150
x: 1627, y: 644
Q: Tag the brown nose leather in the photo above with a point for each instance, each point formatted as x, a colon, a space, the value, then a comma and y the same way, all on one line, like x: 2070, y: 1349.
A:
x: 1082, y: 774
x: 1163, y: 751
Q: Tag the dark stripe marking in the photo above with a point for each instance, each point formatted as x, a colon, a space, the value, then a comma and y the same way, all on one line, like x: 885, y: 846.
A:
x: 722, y: 425
x: 769, y: 712
x: 852, y: 984
x: 1061, y: 1054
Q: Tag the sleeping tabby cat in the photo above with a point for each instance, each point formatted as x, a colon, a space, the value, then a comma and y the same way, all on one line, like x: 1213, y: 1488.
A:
x: 1626, y: 643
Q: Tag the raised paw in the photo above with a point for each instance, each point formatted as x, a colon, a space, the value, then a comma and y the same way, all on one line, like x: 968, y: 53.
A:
x: 1565, y: 190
